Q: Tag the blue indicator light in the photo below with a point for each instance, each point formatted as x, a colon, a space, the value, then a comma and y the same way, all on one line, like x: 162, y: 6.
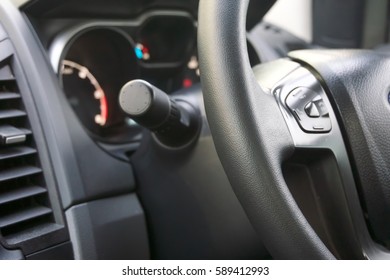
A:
x: 138, y: 53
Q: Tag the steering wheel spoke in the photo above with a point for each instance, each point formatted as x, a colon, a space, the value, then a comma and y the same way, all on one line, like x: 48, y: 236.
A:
x: 321, y: 157
x: 319, y: 174
x: 283, y: 145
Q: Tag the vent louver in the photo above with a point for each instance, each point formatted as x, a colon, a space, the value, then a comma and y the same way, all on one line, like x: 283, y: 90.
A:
x: 26, y: 216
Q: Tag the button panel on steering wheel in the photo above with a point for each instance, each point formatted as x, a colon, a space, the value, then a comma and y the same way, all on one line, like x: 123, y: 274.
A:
x: 309, y: 110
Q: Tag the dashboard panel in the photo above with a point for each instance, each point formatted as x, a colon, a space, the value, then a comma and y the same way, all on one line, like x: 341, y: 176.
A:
x: 102, y: 171
x: 155, y: 41
x: 95, y: 58
x: 114, y: 42
x: 152, y: 201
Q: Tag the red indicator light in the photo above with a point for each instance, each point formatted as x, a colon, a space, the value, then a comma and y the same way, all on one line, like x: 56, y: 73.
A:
x: 187, y: 83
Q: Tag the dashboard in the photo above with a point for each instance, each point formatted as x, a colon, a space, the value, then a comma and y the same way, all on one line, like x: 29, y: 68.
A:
x: 114, y: 192
x: 95, y: 59
x: 85, y: 181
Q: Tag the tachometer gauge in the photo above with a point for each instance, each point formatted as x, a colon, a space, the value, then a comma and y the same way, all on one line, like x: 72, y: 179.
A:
x: 94, y: 65
x: 82, y: 88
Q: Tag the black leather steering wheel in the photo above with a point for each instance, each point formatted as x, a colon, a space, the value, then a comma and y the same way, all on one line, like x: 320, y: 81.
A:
x: 260, y: 118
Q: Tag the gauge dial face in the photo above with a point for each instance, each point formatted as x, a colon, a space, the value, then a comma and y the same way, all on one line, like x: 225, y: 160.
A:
x: 98, y: 61
x: 83, y: 88
x: 95, y: 65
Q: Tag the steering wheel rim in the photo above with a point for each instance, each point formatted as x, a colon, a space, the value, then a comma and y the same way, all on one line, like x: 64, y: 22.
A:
x: 250, y: 134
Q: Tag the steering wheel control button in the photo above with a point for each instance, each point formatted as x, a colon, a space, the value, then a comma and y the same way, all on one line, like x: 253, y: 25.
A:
x: 312, y: 110
x: 320, y: 105
x: 309, y: 110
x: 319, y: 128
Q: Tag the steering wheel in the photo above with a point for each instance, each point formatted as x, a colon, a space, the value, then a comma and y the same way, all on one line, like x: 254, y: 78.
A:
x: 304, y: 141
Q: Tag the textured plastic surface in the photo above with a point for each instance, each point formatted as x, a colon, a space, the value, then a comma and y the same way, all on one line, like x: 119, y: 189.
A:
x: 360, y: 91
x: 30, y: 219
x: 28, y: 191
x: 317, y: 151
x: 63, y: 251
x: 83, y: 170
x: 192, y: 212
x: 10, y: 254
x: 250, y: 134
x: 271, y: 42
x: 111, y: 228
x: 315, y: 182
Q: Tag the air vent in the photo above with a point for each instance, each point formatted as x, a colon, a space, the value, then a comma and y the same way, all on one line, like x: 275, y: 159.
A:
x: 26, y: 216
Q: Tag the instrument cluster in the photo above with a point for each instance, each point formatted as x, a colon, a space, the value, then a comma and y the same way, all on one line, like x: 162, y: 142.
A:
x: 94, y: 59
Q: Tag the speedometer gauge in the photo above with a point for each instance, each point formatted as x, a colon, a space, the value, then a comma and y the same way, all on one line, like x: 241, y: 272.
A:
x: 94, y: 65
x: 82, y: 86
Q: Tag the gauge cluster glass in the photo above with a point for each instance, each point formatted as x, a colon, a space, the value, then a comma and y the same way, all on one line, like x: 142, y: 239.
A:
x: 95, y: 65
x: 100, y: 57
x: 165, y: 40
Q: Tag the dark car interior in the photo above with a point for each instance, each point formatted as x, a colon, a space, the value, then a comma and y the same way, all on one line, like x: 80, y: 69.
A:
x: 193, y: 129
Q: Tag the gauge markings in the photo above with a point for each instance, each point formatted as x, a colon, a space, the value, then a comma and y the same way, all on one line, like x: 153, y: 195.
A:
x: 70, y: 68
